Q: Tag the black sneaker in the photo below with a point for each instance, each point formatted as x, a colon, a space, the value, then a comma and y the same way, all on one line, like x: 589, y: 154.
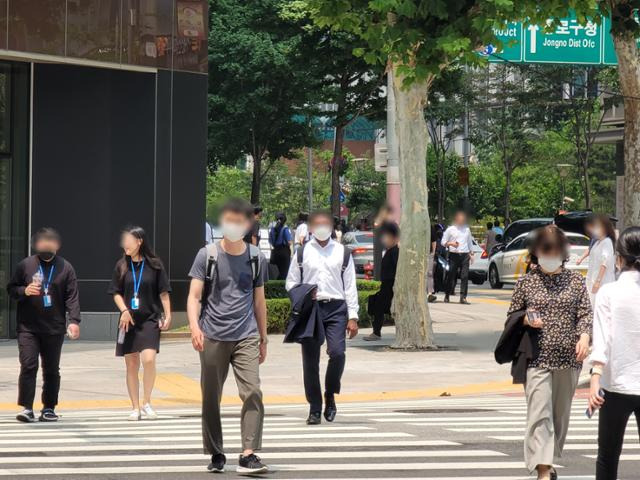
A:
x: 26, y: 416
x: 432, y: 298
x: 251, y: 464
x: 464, y: 301
x: 217, y: 463
x: 314, y: 418
x: 48, y: 415
x: 330, y: 409
x: 446, y: 299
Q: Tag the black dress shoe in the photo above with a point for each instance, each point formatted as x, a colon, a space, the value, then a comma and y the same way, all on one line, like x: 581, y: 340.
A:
x: 446, y: 299
x: 463, y: 301
x: 314, y: 418
x: 431, y: 298
x: 554, y: 474
x: 330, y: 409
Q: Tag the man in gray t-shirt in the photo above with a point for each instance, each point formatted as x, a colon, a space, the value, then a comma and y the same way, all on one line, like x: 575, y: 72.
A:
x: 228, y: 313
x: 229, y: 328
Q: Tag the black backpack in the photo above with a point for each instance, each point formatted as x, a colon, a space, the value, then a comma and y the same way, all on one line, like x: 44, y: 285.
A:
x: 345, y: 261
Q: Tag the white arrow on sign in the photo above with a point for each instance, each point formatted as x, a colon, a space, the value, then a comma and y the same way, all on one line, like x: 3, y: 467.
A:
x: 534, y: 31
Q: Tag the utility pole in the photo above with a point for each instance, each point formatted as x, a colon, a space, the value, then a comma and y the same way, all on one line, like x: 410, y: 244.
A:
x: 466, y: 152
x: 393, y: 166
x: 310, y: 177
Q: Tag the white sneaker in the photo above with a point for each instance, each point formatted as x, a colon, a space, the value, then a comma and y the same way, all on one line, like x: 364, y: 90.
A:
x: 134, y: 416
x: 149, y: 412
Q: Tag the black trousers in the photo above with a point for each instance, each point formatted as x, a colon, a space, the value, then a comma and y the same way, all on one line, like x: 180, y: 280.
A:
x: 32, y: 347
x: 384, y: 298
x: 612, y: 423
x: 281, y: 258
x: 458, y: 262
x: 334, y: 315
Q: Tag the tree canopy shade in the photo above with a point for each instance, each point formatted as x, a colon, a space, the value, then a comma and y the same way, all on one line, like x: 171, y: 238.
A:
x: 259, y: 85
x: 417, y: 39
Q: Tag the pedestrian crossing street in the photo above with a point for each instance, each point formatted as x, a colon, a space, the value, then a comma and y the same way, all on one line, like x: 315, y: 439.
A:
x: 466, y: 438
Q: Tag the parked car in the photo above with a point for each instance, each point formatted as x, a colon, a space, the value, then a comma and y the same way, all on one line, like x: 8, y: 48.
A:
x: 510, y: 262
x: 480, y: 265
x: 361, y: 245
x: 517, y: 228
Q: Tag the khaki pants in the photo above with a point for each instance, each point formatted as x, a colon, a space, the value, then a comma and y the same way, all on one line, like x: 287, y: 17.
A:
x: 243, y: 356
x: 549, y: 395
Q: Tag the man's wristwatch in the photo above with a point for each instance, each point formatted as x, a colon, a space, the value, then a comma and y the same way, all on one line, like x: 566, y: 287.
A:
x: 596, y: 371
x: 264, y: 340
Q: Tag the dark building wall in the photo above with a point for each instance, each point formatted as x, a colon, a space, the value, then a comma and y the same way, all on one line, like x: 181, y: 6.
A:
x: 104, y: 157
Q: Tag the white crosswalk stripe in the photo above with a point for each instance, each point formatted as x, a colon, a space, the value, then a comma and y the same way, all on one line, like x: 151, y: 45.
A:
x: 477, y: 440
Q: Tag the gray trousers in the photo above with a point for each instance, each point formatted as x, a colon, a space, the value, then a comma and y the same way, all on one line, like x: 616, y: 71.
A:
x: 549, y: 395
x: 243, y: 356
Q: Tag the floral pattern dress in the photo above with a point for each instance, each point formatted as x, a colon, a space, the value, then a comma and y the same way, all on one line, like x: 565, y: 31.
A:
x: 563, y: 303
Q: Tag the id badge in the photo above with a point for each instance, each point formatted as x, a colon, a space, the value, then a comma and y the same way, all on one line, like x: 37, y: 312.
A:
x: 135, y: 303
x: 47, y: 300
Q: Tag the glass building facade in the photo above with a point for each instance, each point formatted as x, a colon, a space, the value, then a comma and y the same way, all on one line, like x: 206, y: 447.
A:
x: 168, y: 34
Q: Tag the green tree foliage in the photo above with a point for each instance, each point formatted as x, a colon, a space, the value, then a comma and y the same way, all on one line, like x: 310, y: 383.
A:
x: 366, y: 189
x: 259, y: 85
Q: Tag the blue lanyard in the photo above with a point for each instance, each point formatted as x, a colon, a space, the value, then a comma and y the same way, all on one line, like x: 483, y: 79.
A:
x: 136, y: 280
x: 46, y: 285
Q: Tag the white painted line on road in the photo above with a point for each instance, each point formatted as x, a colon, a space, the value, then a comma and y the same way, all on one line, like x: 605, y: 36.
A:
x: 122, y: 439
x: 594, y: 446
x: 377, y: 414
x: 569, y: 437
x: 325, y: 467
x: 266, y: 455
x: 96, y: 446
x: 593, y: 428
x: 163, y: 431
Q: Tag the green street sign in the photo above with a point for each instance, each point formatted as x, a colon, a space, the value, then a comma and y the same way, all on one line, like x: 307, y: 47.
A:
x: 511, y: 37
x: 570, y: 42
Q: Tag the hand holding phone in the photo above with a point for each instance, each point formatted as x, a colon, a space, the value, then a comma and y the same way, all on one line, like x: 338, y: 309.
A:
x: 534, y: 319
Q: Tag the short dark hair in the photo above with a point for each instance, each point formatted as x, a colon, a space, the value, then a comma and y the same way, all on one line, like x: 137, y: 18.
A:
x: 489, y: 225
x: 320, y: 213
x: 496, y: 223
x: 390, y: 228
x: 257, y: 209
x: 628, y: 248
x: 303, y: 217
x: 547, y: 239
x: 238, y: 205
x: 46, y: 233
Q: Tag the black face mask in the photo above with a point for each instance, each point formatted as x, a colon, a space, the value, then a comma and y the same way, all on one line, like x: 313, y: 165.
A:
x: 46, y: 256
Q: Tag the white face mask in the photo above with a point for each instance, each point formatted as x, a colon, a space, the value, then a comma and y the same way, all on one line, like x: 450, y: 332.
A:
x: 322, y: 232
x: 550, y: 264
x: 233, y: 231
x: 596, y: 233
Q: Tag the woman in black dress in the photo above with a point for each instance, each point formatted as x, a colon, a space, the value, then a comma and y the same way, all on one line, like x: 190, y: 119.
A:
x: 140, y: 289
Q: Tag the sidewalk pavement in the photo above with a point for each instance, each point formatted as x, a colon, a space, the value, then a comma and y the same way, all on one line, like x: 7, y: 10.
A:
x: 92, y: 377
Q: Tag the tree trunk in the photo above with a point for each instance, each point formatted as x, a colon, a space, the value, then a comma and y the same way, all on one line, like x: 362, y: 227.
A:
x: 587, y: 184
x: 335, y: 171
x: 411, y: 312
x: 629, y: 74
x: 256, y: 180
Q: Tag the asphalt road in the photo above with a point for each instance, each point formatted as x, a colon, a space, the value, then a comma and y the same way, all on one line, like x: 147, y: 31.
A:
x: 448, y: 438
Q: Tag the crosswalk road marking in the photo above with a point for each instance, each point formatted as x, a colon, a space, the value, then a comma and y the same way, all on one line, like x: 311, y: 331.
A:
x: 369, y: 440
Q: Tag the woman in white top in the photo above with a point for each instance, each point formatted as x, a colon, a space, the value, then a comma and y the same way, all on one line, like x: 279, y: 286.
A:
x: 616, y: 355
x: 601, y: 255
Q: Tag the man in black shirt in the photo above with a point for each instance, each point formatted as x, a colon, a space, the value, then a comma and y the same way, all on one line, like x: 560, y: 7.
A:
x: 46, y: 289
x: 389, y: 236
x: 253, y: 235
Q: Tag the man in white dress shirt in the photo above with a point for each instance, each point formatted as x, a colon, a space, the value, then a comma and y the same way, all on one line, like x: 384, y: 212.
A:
x: 337, y: 297
x: 459, y: 241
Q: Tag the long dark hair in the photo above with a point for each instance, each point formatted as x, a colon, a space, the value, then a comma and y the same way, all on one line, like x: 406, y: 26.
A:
x: 628, y: 248
x: 281, y: 220
x: 607, y: 225
x: 146, y: 252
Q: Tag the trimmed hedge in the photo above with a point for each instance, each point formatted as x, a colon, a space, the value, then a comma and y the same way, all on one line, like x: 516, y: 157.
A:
x: 275, y: 288
x: 279, y: 309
